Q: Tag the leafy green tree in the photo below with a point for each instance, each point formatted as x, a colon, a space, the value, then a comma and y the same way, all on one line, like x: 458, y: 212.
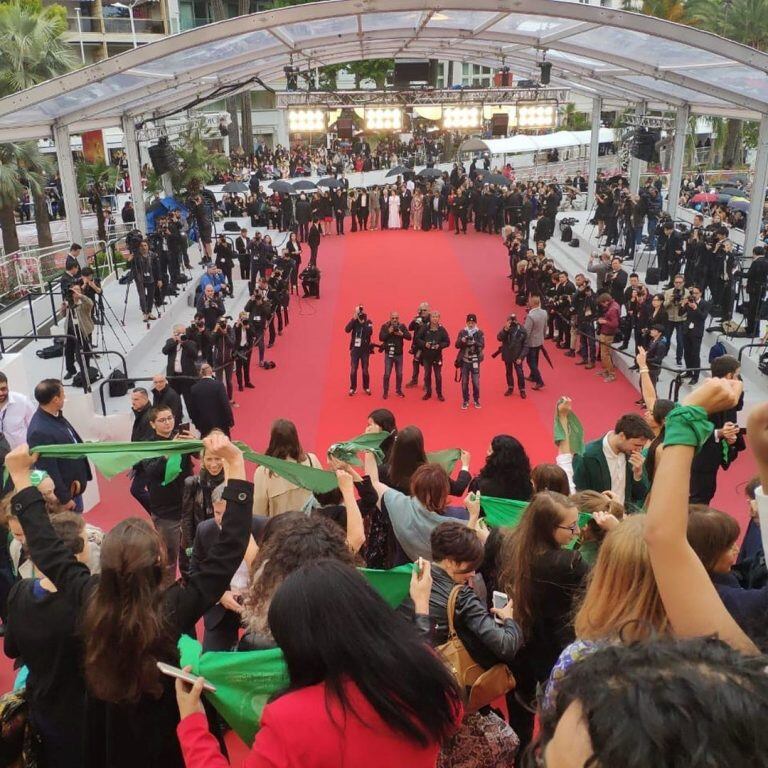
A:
x: 197, y: 163
x: 573, y: 120
x: 97, y: 180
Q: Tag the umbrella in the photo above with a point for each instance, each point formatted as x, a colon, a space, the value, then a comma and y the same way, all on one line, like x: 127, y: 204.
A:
x: 329, y: 182
x: 430, y: 173
x: 732, y: 191
x: 302, y: 185
x: 398, y: 170
x: 235, y: 187
x: 496, y: 178
x: 704, y: 197
x: 739, y: 205
x: 282, y: 186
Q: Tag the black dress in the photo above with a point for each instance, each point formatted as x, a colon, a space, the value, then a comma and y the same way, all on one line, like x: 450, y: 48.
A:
x: 144, y: 733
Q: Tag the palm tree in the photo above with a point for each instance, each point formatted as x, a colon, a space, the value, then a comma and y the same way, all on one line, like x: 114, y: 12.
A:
x: 573, y: 120
x: 31, y: 39
x: 97, y: 180
x: 37, y: 168
x: 197, y: 164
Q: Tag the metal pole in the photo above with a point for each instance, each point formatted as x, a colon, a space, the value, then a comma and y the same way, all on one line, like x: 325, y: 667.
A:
x: 69, y: 184
x: 634, y: 162
x: 594, y: 142
x: 678, y: 159
x: 134, y: 171
x: 759, y: 183
x: 80, y: 35
x: 133, y: 25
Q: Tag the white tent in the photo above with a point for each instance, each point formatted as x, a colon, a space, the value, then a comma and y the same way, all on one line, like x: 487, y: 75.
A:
x: 524, y: 143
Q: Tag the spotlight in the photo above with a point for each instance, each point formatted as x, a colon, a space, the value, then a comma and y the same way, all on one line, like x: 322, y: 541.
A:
x: 546, y: 69
x: 291, y: 78
x: 306, y: 120
x: 461, y: 117
x: 383, y: 119
x: 536, y: 116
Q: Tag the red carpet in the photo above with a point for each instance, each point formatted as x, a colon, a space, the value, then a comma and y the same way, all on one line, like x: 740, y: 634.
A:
x: 397, y: 270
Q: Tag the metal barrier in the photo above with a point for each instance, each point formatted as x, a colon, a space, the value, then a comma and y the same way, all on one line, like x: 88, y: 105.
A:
x: 759, y: 344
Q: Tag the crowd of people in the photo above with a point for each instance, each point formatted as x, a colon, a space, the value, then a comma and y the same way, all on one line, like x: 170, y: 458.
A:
x: 607, y: 576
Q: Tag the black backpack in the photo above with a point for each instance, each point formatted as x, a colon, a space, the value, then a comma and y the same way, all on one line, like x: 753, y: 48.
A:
x: 231, y: 226
x: 566, y: 234
x: 762, y: 363
x: 55, y: 350
x: 652, y: 276
x: 119, y: 384
x: 93, y: 375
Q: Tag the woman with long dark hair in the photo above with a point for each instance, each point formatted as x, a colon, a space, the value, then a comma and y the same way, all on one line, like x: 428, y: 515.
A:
x: 542, y: 580
x: 128, y: 621
x: 506, y: 473
x: 371, y: 695
x: 383, y: 420
x: 273, y: 495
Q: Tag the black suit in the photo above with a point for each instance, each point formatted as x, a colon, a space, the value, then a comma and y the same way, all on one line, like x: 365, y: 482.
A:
x: 695, y: 320
x: 170, y: 398
x: 241, y: 246
x: 209, y: 406
x: 188, y: 362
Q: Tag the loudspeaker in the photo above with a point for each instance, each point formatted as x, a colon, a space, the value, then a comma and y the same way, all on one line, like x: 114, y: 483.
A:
x: 499, y: 124
x: 502, y: 78
x: 527, y: 84
x: 162, y: 157
x: 344, y: 128
x: 652, y: 276
x: 644, y: 144
x: 546, y: 70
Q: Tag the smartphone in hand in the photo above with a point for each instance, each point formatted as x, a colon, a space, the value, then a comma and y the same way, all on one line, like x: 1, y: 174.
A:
x: 187, y: 677
x: 500, y: 599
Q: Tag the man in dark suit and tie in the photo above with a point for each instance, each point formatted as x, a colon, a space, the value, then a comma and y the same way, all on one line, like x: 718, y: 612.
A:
x: 182, y: 361
x: 695, y: 310
x: 362, y: 210
x: 243, y: 257
x: 209, y: 406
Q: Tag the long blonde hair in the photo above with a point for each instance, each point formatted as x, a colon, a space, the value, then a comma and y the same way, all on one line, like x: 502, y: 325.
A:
x: 621, y: 596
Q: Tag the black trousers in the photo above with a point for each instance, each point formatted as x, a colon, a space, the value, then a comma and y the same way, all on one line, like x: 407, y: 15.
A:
x: 358, y: 358
x: 433, y: 368
x: 303, y: 230
x: 362, y: 219
x: 339, y: 223
x: 245, y: 267
x: 533, y: 364
x: 313, y: 249
x: 416, y: 368
x: 224, y: 375
x: 692, y: 354
x: 243, y: 368
x: 460, y: 218
x: 71, y: 347
x: 146, y: 291
x: 223, y: 637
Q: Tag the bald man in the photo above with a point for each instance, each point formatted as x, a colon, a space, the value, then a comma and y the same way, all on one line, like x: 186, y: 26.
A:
x: 415, y: 326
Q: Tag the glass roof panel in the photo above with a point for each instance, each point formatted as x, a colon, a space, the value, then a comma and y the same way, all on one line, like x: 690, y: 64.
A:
x: 303, y: 30
x: 405, y: 20
x: 208, y: 53
x: 581, y: 60
x: 459, y: 19
x: 671, y: 89
x: 534, y: 26
x: 642, y: 47
x: 739, y: 79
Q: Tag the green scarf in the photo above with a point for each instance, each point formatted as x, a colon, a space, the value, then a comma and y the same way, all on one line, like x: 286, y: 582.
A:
x: 370, y: 442
x: 446, y: 458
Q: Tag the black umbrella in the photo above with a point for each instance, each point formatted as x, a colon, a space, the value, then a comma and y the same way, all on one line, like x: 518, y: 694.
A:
x: 430, y: 173
x: 733, y: 191
x: 329, y: 182
x: 282, y: 186
x: 302, y: 185
x: 496, y: 178
x: 235, y: 187
x: 398, y: 170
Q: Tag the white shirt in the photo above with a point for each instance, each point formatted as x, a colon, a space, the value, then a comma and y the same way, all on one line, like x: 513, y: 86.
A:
x: 177, y: 359
x: 762, y: 514
x: 410, y: 185
x: 15, y: 418
x: 617, y: 466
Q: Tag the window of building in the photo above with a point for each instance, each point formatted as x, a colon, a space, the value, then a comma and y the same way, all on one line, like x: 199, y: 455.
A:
x: 475, y: 76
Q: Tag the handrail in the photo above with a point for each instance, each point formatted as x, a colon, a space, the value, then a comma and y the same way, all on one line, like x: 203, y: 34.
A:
x: 750, y: 346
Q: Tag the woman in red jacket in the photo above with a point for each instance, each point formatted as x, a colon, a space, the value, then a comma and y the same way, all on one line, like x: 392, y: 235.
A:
x: 608, y: 325
x: 365, y: 690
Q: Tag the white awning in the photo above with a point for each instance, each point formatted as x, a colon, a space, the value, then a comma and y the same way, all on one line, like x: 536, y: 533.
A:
x: 523, y: 143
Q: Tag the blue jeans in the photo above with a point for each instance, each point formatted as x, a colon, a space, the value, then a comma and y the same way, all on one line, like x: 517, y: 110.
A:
x: 468, y: 370
x: 397, y: 362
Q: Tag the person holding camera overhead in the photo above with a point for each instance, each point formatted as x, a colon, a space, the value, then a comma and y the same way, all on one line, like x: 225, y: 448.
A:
x: 360, y: 329
x: 673, y: 303
x: 223, y: 348
x: 392, y: 335
x: 695, y: 311
x: 415, y: 326
x: 210, y: 307
x: 513, y: 350
x: 244, y: 338
x: 470, y: 343
x: 182, y: 357
x: 432, y: 339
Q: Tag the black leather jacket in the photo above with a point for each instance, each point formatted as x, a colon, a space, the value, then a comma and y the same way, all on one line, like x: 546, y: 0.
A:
x: 487, y: 642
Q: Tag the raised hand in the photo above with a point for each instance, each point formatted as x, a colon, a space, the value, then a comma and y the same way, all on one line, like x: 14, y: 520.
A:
x: 716, y: 395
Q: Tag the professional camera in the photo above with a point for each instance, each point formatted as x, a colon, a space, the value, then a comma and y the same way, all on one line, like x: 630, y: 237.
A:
x: 134, y: 239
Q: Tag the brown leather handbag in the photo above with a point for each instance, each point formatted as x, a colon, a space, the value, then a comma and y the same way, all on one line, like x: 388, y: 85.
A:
x: 481, y: 686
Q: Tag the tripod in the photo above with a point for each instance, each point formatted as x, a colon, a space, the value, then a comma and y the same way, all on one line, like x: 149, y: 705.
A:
x: 81, y: 357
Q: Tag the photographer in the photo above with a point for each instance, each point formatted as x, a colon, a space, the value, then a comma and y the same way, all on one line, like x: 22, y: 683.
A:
x: 223, y: 348
x: 615, y: 281
x: 78, y: 310
x: 224, y: 259
x: 310, y: 281
x: 757, y: 280
x: 673, y: 303
x: 415, y: 326
x: 216, y: 279
x: 564, y: 291
x: 360, y: 329
x: 585, y: 312
x: 313, y: 240
x: 432, y: 340
x: 201, y: 336
x: 244, y: 339
x: 181, y: 352
x: 695, y: 311
x: 210, y: 307
x: 92, y: 289
x: 513, y: 350
x: 653, y: 202
x: 670, y: 252
x: 391, y: 336
x: 145, y: 269
x: 259, y: 311
x: 242, y: 244
x: 470, y: 343
x: 279, y: 296
x: 724, y: 266
x: 200, y: 213
x: 697, y: 253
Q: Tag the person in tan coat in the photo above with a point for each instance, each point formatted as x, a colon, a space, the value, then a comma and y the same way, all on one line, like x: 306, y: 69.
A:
x: 273, y: 495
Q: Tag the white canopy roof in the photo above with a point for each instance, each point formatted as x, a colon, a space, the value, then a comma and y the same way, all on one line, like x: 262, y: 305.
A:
x: 523, y: 143
x: 623, y: 57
